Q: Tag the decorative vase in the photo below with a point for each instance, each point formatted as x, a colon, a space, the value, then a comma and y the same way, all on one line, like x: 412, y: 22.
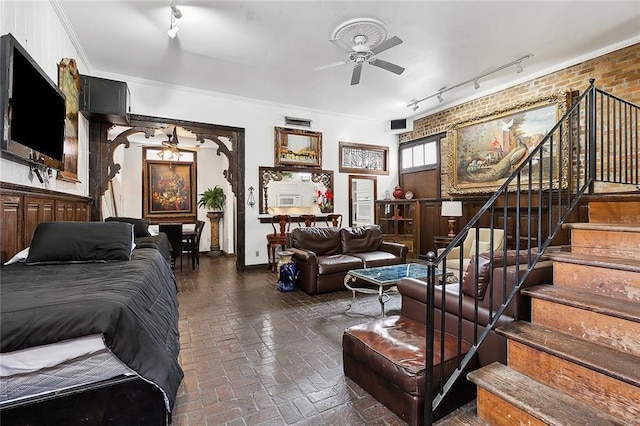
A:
x: 398, y: 193
x: 326, y: 209
x: 287, y: 271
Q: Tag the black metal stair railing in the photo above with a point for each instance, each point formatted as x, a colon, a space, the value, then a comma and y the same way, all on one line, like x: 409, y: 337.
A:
x: 597, y: 140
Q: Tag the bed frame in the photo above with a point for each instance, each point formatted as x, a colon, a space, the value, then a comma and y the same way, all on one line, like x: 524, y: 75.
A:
x: 22, y: 208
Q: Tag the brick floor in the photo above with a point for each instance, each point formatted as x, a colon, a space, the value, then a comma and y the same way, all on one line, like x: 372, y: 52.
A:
x: 253, y: 355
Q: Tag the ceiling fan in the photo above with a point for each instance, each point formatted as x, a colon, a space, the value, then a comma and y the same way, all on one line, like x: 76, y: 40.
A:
x: 363, y: 39
x: 171, y: 147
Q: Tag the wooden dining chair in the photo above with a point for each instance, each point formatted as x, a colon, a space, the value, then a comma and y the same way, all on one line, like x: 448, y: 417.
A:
x: 174, y: 235
x: 191, y: 245
x: 281, y: 225
x: 309, y: 220
x: 334, y: 219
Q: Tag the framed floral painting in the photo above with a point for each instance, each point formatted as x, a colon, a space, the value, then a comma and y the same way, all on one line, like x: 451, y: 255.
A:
x: 169, y: 190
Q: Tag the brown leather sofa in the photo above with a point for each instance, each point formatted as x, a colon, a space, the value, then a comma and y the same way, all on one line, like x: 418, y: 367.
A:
x: 325, y: 255
x: 386, y: 357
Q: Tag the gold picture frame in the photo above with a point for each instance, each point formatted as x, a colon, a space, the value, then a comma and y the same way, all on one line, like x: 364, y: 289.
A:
x: 362, y: 158
x: 169, y: 191
x: 298, y: 148
x: 483, y: 149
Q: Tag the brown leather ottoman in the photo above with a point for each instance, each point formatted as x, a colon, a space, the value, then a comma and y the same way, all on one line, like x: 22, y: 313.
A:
x: 386, y: 358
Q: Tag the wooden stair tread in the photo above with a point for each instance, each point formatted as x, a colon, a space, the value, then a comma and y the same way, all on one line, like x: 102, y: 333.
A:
x: 547, y: 404
x: 602, y: 226
x: 584, y: 299
x: 603, y: 359
x: 623, y: 264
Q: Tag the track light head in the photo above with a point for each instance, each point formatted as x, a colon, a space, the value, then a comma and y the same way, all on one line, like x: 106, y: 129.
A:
x: 440, y: 97
x: 415, y: 106
x: 173, y: 31
x: 174, y: 9
x: 519, y: 67
x: 476, y: 85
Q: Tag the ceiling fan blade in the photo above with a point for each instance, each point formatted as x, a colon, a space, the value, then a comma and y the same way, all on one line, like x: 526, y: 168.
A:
x: 355, y: 76
x: 335, y: 64
x: 387, y: 44
x: 341, y: 44
x: 387, y: 66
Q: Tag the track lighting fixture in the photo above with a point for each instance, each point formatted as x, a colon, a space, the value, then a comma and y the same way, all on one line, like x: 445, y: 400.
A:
x: 175, y: 14
x: 475, y: 80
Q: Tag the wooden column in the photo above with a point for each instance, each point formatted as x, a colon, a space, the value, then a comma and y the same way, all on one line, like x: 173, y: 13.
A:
x: 214, y: 218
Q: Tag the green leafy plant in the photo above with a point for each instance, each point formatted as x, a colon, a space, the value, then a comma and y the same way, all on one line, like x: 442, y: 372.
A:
x: 213, y: 199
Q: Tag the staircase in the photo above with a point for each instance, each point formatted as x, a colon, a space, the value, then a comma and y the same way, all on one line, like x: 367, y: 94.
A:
x: 578, y: 361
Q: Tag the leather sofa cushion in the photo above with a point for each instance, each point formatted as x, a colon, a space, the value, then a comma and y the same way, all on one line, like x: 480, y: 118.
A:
x: 485, y: 264
x: 395, y: 348
x: 321, y: 241
x: 360, y: 239
x: 377, y: 258
x: 332, y: 264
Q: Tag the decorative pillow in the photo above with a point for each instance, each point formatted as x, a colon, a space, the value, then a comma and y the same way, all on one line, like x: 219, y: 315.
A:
x: 486, y: 262
x: 78, y: 242
x: 141, y: 226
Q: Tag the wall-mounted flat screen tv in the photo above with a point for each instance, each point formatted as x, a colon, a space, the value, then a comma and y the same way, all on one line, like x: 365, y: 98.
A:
x: 33, y: 109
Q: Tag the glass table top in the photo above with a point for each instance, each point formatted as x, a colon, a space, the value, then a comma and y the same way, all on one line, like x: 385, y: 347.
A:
x: 393, y: 273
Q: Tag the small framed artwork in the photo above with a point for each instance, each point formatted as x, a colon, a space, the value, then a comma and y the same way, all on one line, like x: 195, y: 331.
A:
x: 300, y: 148
x: 361, y: 158
x: 169, y: 190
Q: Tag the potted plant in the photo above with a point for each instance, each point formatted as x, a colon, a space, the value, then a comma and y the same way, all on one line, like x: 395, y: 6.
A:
x: 213, y: 199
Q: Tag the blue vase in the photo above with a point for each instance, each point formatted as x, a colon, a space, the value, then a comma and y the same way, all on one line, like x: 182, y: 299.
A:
x: 288, y: 277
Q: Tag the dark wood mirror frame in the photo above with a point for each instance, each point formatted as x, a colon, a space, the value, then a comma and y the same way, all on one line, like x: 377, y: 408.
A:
x: 276, y: 174
x: 352, y: 201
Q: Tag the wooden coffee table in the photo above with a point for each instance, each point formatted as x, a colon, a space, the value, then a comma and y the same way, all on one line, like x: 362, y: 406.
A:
x: 386, y: 278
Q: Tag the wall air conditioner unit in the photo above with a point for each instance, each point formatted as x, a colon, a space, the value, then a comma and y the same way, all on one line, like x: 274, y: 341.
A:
x: 299, y: 122
x: 398, y: 126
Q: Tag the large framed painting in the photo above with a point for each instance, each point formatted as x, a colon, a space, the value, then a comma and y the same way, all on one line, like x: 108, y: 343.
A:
x: 361, y: 158
x: 298, y: 148
x: 169, y: 190
x: 485, y: 150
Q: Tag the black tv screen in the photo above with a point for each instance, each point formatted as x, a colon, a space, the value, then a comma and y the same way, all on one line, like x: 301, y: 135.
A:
x: 33, y: 108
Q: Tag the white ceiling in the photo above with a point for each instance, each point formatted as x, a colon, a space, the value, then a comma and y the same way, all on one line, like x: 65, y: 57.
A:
x: 266, y: 50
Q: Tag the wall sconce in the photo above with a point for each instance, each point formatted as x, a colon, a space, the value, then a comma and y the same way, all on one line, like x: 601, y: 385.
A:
x: 451, y: 209
x: 250, y: 199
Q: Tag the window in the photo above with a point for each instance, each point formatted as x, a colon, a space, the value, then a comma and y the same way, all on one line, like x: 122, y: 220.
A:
x: 419, y: 155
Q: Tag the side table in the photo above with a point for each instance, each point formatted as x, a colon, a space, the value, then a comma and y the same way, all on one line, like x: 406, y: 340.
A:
x: 441, y: 242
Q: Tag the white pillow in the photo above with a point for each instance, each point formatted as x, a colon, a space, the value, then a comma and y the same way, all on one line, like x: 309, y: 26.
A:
x: 21, y: 256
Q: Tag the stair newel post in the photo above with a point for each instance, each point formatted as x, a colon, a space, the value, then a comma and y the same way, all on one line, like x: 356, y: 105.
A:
x: 591, y: 135
x: 214, y: 218
x: 428, y: 377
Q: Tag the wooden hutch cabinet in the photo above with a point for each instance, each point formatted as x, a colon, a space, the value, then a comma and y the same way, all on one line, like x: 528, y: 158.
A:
x: 400, y: 223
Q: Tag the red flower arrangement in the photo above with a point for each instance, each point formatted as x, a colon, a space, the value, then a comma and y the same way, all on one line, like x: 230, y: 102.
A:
x: 325, y: 201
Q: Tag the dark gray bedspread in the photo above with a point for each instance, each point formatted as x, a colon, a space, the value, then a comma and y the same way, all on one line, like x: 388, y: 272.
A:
x: 133, y: 303
x: 160, y: 242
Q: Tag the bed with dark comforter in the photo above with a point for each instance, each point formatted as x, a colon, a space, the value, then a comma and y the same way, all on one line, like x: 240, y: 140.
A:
x: 132, y: 303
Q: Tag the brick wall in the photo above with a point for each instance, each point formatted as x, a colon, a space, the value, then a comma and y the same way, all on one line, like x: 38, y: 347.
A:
x: 617, y: 72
